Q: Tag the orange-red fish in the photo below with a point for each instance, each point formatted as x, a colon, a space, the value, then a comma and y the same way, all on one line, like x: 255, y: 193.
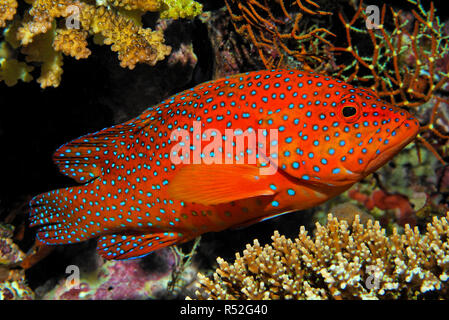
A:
x: 294, y: 140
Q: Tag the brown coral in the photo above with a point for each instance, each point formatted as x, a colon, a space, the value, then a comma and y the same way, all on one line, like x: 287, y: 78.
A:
x: 340, y: 261
x: 272, y: 30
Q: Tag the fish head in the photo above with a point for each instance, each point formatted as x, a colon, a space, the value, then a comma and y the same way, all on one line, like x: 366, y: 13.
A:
x: 378, y: 131
x: 353, y: 135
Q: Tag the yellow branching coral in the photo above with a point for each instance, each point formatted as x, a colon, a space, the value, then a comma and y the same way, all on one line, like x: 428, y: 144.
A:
x: 145, y: 5
x: 68, y: 24
x: 41, y: 50
x: 175, y: 9
x: 7, y: 11
x: 72, y: 42
x: 12, y: 70
x: 340, y: 261
x: 133, y: 43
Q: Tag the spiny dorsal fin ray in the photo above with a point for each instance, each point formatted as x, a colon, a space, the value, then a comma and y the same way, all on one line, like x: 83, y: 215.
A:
x: 83, y: 159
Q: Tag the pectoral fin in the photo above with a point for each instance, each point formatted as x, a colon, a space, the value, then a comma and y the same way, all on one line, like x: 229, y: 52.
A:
x: 219, y: 183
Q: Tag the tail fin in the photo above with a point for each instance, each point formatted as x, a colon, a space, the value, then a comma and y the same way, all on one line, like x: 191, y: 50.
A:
x: 57, y: 215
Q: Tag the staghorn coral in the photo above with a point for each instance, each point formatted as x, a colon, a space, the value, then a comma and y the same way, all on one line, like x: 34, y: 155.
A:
x: 145, y: 5
x: 55, y: 27
x: 348, y: 211
x: 340, y: 261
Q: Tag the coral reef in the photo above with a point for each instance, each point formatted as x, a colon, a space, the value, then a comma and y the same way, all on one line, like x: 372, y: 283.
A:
x: 404, y: 59
x: 340, y: 261
x: 51, y: 28
x: 12, y: 280
x: 163, y: 274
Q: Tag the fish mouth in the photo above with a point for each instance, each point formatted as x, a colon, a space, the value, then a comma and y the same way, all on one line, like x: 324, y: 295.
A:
x: 399, y: 142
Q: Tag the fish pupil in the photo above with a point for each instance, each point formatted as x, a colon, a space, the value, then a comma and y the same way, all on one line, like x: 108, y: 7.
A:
x: 349, y: 111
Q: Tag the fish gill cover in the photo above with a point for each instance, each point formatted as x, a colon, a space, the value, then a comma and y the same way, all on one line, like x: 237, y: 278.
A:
x: 209, y: 119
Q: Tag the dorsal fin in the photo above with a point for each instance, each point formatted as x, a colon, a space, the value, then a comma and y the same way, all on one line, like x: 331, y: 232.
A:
x: 82, y: 159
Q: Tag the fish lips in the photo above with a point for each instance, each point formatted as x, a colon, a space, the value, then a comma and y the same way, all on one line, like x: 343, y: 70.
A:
x: 404, y: 135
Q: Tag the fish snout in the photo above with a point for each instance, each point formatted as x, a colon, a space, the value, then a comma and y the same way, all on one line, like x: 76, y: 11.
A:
x: 406, y: 130
x: 395, y: 133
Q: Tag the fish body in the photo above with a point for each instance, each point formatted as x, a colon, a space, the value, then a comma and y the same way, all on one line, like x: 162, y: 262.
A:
x: 175, y: 172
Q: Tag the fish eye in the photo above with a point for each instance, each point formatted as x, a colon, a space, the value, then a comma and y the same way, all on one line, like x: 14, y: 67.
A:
x: 349, y: 111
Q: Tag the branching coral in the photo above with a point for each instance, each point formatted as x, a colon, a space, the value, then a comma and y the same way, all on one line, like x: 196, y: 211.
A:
x: 7, y: 11
x: 175, y: 9
x: 431, y: 135
x: 405, y: 63
x: 340, y: 261
x: 277, y: 34
x: 402, y: 65
x: 55, y: 27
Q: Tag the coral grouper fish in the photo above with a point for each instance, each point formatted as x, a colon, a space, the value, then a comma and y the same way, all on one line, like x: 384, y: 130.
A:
x: 179, y: 169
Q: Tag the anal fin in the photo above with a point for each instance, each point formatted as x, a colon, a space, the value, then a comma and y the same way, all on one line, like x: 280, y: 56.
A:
x: 132, y: 246
x: 260, y: 219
